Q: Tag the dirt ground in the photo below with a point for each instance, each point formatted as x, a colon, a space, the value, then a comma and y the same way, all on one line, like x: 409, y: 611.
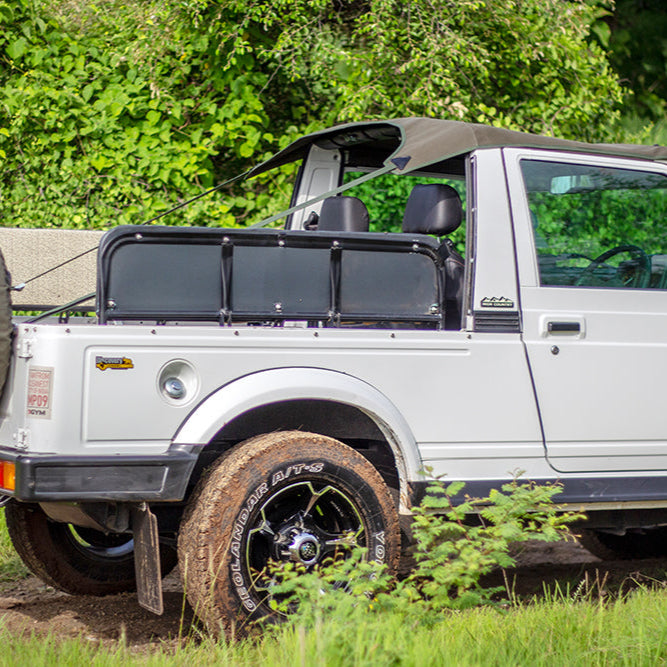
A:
x: 30, y: 606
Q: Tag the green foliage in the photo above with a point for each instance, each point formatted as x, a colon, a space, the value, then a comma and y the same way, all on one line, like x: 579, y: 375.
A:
x: 592, y: 222
x: 11, y: 566
x: 386, y: 195
x: 631, y: 631
x: 452, y: 554
x: 591, y: 211
x: 638, y: 45
x: 116, y: 110
x: 526, y: 65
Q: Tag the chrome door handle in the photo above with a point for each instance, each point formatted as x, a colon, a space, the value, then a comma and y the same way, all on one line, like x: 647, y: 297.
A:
x: 563, y: 327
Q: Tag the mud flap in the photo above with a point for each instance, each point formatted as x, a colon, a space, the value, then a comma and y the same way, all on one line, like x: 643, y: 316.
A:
x: 147, y: 559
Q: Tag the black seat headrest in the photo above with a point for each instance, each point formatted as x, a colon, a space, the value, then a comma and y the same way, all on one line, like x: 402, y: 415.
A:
x: 433, y: 208
x: 343, y: 214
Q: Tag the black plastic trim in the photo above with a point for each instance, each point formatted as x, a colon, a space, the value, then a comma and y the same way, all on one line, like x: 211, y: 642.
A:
x: 575, y: 490
x: 42, y: 478
x: 564, y: 327
x: 497, y: 322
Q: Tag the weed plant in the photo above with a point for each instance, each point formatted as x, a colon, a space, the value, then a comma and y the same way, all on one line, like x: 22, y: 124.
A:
x: 456, y: 544
x: 350, y: 612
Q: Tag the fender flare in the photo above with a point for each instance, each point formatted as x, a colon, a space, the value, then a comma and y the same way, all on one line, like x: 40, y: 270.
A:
x: 284, y: 384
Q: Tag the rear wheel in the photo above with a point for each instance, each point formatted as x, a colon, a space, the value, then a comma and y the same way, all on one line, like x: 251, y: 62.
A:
x: 289, y: 496
x: 638, y: 543
x: 5, y: 322
x: 77, y: 560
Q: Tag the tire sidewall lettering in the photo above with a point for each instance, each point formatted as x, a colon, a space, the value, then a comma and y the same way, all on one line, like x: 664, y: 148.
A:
x: 237, y: 571
x: 294, y: 470
x: 378, y: 552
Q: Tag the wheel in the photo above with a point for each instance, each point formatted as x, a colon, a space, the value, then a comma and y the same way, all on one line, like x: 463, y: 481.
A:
x: 73, y: 559
x: 290, y: 496
x: 639, y: 543
x: 5, y: 322
x: 637, y: 275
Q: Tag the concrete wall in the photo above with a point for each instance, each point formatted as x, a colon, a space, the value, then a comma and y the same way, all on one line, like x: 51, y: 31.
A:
x: 30, y: 252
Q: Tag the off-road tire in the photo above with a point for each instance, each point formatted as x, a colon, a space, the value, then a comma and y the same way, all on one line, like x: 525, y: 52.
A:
x: 648, y: 543
x: 266, y: 481
x: 57, y: 553
x: 5, y: 322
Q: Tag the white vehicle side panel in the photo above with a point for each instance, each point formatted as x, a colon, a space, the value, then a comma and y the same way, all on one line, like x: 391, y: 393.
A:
x: 601, y: 396
x: 433, y: 378
x: 494, y: 267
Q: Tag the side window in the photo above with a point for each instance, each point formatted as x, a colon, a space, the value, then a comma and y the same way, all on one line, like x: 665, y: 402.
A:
x: 597, y: 226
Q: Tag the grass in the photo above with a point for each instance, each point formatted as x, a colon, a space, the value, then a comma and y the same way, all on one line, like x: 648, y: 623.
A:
x: 632, y: 631
x: 11, y: 567
x: 559, y: 628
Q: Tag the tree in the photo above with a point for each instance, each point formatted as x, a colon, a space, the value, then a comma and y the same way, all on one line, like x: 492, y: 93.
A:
x: 526, y: 64
x: 114, y: 111
x: 638, y: 51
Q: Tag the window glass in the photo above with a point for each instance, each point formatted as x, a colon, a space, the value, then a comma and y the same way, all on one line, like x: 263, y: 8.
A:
x: 597, y: 226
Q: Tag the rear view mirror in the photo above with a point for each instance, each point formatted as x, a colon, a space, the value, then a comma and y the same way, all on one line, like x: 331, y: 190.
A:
x: 561, y: 185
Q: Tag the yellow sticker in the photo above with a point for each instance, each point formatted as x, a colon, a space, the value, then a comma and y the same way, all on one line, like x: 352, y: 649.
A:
x: 115, y: 363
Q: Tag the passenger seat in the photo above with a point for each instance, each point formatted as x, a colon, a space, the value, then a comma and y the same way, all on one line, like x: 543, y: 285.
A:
x: 342, y: 214
x: 436, y: 208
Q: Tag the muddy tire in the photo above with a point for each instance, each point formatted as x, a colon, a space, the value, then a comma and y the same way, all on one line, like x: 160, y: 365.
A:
x: 280, y: 496
x: 635, y: 544
x: 76, y: 560
x: 5, y: 323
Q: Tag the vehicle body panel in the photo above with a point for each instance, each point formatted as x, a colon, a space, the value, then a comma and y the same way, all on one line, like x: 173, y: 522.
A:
x: 600, y: 388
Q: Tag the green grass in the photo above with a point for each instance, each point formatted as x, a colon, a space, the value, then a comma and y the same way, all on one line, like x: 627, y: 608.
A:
x: 11, y: 567
x: 632, y: 631
x: 558, y: 629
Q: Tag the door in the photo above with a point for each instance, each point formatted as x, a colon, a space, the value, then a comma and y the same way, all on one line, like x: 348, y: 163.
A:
x: 594, y: 304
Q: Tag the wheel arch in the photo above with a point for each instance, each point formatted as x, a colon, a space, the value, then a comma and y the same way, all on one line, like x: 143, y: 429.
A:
x: 313, y: 399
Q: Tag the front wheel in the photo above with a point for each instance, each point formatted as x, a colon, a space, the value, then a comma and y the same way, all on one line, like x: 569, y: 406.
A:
x: 288, y: 496
x: 77, y: 560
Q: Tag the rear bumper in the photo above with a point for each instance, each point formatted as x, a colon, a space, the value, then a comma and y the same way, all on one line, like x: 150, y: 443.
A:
x: 42, y: 478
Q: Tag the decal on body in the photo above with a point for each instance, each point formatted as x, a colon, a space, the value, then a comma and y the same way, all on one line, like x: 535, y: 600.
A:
x: 40, y: 386
x: 114, y: 363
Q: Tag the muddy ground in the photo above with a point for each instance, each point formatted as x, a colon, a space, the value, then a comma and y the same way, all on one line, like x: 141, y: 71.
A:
x: 30, y: 606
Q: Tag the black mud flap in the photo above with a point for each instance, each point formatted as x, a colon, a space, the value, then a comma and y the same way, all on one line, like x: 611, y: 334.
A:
x: 147, y: 559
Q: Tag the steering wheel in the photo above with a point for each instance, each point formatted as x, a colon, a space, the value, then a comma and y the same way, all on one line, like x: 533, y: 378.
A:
x: 639, y: 278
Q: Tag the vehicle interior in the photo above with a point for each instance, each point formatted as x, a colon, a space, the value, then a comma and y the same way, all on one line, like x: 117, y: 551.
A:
x: 385, y: 252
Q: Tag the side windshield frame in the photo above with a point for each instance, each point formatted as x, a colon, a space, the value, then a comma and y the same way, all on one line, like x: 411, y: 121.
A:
x: 528, y: 267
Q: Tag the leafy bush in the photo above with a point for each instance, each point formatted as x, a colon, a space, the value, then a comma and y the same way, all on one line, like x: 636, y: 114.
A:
x: 114, y: 111
x: 527, y: 65
x: 456, y: 545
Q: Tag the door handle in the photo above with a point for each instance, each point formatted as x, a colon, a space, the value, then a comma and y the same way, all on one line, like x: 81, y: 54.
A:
x: 564, y: 327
